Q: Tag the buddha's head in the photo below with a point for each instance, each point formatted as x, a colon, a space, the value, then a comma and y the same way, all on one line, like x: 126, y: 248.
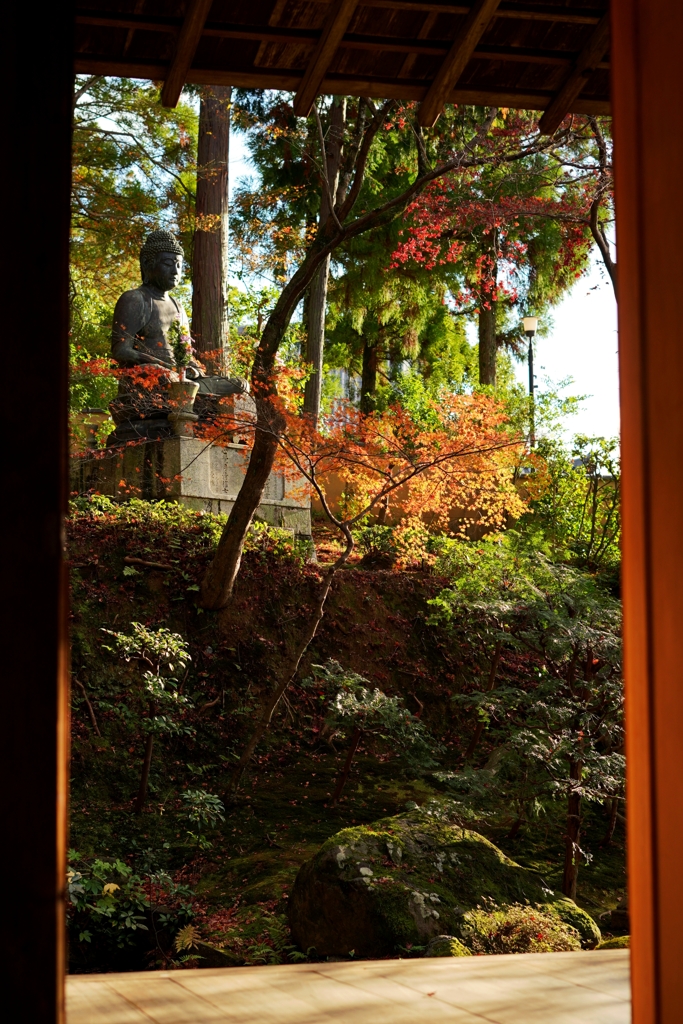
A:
x: 161, y: 260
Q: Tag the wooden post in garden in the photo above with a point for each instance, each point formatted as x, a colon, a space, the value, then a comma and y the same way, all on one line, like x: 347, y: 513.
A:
x: 647, y: 97
x: 33, y: 410
x: 210, y: 257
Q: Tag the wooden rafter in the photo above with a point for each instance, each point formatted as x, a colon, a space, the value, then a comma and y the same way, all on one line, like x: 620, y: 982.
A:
x: 188, y: 40
x: 427, y: 26
x: 333, y: 31
x: 272, y: 33
x: 139, y: 4
x: 377, y: 55
x: 518, y: 12
x: 337, y: 84
x: 461, y: 51
x: 273, y: 21
x: 587, y: 61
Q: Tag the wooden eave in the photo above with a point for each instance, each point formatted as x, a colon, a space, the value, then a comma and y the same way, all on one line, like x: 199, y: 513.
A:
x: 518, y: 54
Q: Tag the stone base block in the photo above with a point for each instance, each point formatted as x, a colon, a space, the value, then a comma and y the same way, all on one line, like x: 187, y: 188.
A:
x: 203, y: 476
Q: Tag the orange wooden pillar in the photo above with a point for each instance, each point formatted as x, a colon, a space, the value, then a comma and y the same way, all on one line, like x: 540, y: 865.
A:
x: 647, y: 87
x: 37, y: 90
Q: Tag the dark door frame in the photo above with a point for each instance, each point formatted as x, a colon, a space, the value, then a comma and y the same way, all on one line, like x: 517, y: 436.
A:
x: 36, y: 43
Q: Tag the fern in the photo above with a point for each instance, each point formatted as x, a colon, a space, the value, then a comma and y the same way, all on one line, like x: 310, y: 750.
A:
x: 187, y: 938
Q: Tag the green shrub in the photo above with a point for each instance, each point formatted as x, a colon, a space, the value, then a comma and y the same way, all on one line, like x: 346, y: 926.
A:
x: 517, y: 929
x: 118, y: 919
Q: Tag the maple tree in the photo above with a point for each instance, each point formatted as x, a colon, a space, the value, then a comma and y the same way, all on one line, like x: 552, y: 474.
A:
x: 384, y: 323
x: 458, y: 453
x: 472, y: 139
x: 515, y: 235
x: 586, y: 158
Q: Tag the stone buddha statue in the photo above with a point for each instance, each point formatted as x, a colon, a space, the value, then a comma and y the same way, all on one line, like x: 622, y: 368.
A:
x: 142, y: 337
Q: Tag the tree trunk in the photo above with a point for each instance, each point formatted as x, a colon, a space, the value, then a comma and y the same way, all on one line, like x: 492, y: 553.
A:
x: 368, y: 378
x: 487, y: 345
x: 613, y: 811
x: 315, y: 339
x: 318, y: 293
x: 144, y: 778
x: 210, y: 258
x: 219, y: 578
x: 344, y: 774
x: 571, y: 851
x: 517, y: 824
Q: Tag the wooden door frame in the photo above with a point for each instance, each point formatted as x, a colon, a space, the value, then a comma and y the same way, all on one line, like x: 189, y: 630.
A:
x: 647, y: 42
x: 37, y: 78
x: 647, y: 98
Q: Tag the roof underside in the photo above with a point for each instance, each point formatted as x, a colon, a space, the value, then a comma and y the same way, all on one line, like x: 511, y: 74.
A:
x: 485, y: 52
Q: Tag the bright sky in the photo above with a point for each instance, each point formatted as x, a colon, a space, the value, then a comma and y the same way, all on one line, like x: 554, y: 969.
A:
x: 582, y: 344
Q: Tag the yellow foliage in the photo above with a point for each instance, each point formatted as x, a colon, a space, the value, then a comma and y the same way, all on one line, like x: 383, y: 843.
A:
x: 187, y: 938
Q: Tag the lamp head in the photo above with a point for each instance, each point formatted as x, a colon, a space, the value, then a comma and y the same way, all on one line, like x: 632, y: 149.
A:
x: 530, y: 324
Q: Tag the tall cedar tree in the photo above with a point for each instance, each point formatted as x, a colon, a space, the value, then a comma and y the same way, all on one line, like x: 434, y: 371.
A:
x: 210, y: 255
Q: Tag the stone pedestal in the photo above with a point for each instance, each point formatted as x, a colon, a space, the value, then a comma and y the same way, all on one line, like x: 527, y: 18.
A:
x: 202, y: 476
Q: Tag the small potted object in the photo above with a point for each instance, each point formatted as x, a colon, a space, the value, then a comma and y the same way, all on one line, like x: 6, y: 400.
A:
x: 182, y: 392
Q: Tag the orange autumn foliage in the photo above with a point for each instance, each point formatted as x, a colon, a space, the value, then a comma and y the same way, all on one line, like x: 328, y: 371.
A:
x: 462, y: 453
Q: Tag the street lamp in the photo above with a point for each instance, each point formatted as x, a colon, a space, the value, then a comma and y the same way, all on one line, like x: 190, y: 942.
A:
x: 530, y: 324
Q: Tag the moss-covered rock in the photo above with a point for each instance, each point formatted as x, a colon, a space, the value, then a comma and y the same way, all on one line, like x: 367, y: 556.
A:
x: 618, y: 942
x: 566, y: 910
x: 404, y: 880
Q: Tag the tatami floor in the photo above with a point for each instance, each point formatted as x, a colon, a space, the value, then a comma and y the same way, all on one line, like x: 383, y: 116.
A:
x: 535, y: 988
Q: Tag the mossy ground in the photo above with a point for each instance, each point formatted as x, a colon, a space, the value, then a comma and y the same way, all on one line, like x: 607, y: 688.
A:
x: 375, y: 624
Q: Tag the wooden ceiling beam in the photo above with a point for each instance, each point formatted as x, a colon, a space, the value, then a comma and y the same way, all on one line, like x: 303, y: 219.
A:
x: 413, y: 48
x: 130, y: 21
x: 186, y: 47
x: 427, y: 26
x: 420, y: 45
x: 464, y: 45
x: 336, y: 84
x: 337, y: 22
x: 588, y: 60
x: 516, y: 12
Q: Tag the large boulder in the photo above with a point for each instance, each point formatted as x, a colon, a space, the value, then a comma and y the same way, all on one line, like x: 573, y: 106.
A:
x: 376, y: 890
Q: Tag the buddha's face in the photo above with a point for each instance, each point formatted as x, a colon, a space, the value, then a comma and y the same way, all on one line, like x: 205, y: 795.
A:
x: 166, y: 271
